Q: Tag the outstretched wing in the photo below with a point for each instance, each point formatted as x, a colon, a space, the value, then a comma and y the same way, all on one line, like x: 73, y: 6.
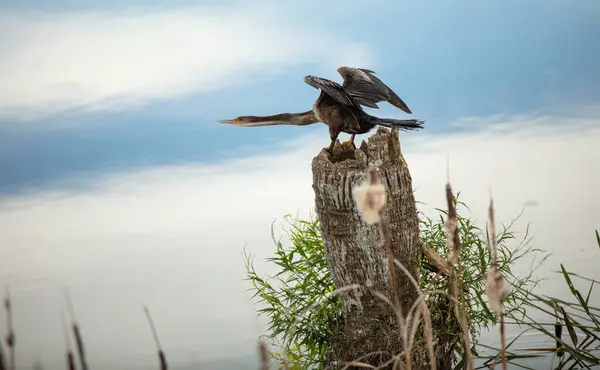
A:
x: 369, y: 90
x: 334, y: 90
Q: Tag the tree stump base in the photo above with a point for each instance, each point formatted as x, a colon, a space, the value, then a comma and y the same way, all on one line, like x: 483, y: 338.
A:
x: 352, y: 248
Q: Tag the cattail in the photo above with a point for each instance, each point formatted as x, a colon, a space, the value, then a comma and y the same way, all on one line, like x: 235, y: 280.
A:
x: 495, y: 286
x: 453, y: 243
x: 2, y: 363
x: 10, y: 337
x: 370, y: 197
x: 161, y: 355
x: 71, y: 361
x: 76, y: 333
x: 496, y: 289
x: 452, y: 237
x: 68, y: 345
x: 493, y: 246
x: 264, y: 355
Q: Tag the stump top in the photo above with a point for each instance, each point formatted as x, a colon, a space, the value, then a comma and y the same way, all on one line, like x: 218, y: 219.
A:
x: 381, y: 147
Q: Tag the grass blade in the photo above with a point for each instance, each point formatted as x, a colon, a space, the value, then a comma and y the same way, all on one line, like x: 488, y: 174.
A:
x: 572, y: 333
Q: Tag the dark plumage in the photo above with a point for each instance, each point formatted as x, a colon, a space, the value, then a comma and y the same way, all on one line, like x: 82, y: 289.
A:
x: 369, y: 90
x: 339, y: 106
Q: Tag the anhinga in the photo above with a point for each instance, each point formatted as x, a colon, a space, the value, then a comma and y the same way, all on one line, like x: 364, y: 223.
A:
x: 339, y: 107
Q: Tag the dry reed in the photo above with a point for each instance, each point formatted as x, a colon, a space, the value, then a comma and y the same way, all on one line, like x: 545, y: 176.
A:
x: 71, y: 361
x: 390, y: 258
x: 2, y: 360
x: 494, y: 252
x: 454, y: 245
x: 10, y: 336
x: 161, y: 354
x: 264, y: 355
x: 68, y: 344
x: 385, y: 242
x: 2, y: 363
x: 76, y: 332
x: 370, y: 199
x: 426, y: 314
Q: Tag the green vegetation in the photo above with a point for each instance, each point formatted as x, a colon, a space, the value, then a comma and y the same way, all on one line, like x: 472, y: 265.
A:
x: 571, y: 325
x: 476, y: 262
x: 297, y: 299
x: 301, y: 311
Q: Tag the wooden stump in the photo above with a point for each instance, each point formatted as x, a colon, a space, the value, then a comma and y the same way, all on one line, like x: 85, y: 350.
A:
x: 352, y: 247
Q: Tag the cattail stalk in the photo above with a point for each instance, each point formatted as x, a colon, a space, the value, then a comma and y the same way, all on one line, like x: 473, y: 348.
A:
x: 10, y: 337
x: 370, y: 199
x: 2, y: 363
x: 454, y: 245
x: 71, y: 361
x: 76, y: 333
x: 161, y: 355
x: 495, y: 266
x: 264, y: 355
x: 68, y: 344
x: 386, y: 242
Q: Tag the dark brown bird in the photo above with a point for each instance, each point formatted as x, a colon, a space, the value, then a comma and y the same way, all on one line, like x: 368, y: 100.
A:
x: 339, y: 107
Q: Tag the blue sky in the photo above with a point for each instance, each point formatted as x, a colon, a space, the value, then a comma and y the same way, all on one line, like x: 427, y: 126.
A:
x: 67, y: 112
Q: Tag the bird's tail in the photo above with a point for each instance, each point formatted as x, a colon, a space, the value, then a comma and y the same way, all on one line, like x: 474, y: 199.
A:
x: 403, y: 124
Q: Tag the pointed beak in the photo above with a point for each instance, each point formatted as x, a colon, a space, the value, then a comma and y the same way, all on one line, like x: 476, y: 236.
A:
x: 227, y: 121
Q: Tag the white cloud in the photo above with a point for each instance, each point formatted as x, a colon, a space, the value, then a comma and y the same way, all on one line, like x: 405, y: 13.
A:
x: 116, y: 59
x: 172, y: 237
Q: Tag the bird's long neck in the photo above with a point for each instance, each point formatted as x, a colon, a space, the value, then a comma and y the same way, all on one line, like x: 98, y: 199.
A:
x: 297, y: 119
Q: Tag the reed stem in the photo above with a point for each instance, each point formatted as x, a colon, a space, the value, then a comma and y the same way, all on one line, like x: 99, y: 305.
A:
x: 454, y: 245
x: 495, y: 266
x: 2, y: 363
x: 161, y: 355
x: 264, y: 355
x: 68, y: 344
x: 10, y: 337
x: 76, y: 333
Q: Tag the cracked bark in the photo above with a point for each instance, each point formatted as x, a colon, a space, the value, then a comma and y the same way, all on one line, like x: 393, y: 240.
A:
x: 352, y: 247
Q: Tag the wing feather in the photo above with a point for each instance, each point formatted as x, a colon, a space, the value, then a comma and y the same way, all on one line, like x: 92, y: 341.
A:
x: 362, y: 84
x: 367, y: 89
x: 334, y: 90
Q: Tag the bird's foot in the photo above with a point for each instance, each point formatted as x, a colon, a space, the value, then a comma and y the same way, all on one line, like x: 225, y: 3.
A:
x: 349, y: 145
x: 329, y: 149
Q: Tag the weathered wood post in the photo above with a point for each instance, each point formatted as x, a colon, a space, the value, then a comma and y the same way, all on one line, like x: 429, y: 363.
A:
x: 352, y: 247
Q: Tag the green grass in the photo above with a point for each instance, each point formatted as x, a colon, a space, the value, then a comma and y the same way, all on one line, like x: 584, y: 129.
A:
x: 302, y: 312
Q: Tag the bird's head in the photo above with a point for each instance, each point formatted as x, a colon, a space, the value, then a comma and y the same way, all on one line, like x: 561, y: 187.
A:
x: 240, y: 121
x: 249, y: 121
